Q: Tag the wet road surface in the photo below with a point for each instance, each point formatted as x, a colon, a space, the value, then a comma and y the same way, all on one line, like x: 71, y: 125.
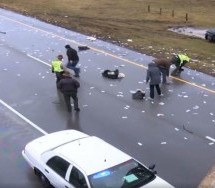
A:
x: 176, y: 131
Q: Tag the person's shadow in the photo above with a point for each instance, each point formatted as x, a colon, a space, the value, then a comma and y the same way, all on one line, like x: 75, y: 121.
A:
x: 73, y: 121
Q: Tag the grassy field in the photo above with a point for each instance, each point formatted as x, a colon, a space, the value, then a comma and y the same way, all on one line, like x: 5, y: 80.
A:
x: 119, y: 20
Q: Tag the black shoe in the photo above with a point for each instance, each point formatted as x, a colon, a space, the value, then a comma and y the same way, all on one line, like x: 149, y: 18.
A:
x: 77, y: 109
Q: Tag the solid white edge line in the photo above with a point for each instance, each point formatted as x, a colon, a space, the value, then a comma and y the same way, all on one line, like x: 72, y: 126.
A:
x: 23, y: 117
x: 38, y: 60
x: 209, y: 138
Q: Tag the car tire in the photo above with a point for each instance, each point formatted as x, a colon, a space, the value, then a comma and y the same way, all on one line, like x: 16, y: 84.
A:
x: 209, y: 38
x: 44, y: 180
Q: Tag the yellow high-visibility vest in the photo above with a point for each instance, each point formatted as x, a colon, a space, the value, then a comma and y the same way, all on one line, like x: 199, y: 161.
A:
x: 182, y: 58
x: 56, y: 66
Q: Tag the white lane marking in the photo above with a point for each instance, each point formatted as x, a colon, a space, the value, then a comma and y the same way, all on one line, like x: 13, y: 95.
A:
x: 38, y: 60
x: 209, y: 138
x: 106, y: 53
x: 23, y: 117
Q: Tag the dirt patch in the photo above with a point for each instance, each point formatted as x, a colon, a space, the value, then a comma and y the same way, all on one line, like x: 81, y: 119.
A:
x: 209, y: 180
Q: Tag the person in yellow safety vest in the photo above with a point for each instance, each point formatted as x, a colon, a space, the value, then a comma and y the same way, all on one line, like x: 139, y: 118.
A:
x: 179, y: 61
x: 57, y: 67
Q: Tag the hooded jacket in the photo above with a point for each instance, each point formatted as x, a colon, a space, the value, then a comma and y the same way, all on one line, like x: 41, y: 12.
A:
x: 153, y: 75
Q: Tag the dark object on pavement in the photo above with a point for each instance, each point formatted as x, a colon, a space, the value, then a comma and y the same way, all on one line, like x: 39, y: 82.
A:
x: 210, y: 35
x: 138, y: 95
x: 111, y: 74
x: 81, y: 48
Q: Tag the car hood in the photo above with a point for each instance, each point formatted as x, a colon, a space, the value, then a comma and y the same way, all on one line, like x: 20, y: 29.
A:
x: 211, y: 31
x: 158, y: 182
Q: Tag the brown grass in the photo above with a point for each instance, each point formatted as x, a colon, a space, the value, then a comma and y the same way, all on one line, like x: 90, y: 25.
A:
x: 119, y: 20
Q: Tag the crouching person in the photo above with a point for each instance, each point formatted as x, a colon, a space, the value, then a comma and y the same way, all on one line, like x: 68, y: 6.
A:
x: 69, y: 88
x: 179, y: 61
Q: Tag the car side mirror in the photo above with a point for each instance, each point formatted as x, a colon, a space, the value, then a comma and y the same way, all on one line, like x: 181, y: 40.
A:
x: 151, y: 168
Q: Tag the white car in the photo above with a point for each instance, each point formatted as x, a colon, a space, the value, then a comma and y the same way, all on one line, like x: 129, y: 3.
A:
x: 70, y: 158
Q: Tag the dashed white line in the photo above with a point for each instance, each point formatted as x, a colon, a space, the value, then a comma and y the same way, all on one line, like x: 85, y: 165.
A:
x: 209, y: 138
x: 38, y: 60
x: 23, y: 117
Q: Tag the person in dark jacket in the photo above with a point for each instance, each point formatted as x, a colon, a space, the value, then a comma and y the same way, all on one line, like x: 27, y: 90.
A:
x: 153, y: 76
x: 69, y: 87
x: 164, y: 66
x: 73, y: 59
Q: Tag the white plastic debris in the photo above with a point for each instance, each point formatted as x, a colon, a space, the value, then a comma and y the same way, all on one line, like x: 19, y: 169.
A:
x: 196, y: 107
x: 163, y: 143
x: 91, y: 38
x: 158, y: 115
x: 140, y: 144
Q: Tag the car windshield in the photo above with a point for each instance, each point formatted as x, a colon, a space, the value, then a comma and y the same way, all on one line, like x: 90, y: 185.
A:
x: 126, y: 175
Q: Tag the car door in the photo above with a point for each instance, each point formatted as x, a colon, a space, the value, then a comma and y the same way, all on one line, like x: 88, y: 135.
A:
x: 56, y: 170
x: 77, y: 178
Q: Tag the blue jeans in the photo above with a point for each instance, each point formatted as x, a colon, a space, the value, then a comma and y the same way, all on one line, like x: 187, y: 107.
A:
x: 73, y: 67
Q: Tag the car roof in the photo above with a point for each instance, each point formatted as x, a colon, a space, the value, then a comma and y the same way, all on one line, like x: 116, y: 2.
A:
x: 92, y: 154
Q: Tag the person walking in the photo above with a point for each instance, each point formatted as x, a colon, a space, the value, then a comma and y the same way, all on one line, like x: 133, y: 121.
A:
x: 69, y: 88
x: 164, y: 66
x: 179, y: 61
x: 153, y: 76
x: 57, y: 67
x: 73, y: 59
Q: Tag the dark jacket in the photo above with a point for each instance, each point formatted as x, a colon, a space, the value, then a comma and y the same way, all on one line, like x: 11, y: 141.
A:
x: 153, y: 74
x: 68, y: 85
x: 72, y: 54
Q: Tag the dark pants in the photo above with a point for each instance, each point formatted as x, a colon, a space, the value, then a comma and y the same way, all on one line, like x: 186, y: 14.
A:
x: 164, y: 73
x: 67, y: 98
x: 58, y: 76
x: 72, y: 65
x: 152, y: 90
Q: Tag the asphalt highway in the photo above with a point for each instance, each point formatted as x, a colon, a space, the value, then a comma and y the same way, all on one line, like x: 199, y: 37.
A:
x: 175, y: 131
